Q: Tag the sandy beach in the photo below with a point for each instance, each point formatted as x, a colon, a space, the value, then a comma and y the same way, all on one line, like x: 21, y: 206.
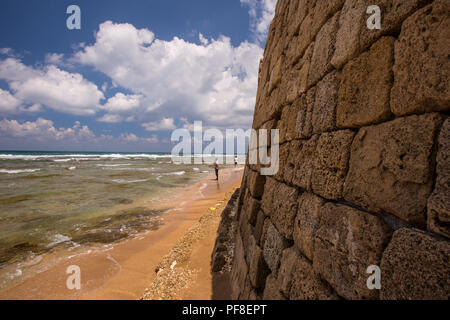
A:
x: 127, y: 269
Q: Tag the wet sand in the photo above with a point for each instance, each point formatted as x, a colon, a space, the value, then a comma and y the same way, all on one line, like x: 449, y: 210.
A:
x: 126, y: 270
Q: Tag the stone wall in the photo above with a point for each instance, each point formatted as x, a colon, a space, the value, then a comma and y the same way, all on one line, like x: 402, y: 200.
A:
x: 364, y: 174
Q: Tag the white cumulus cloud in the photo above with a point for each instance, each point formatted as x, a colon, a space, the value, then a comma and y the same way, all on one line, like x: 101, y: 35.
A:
x: 164, y: 124
x: 261, y: 13
x: 213, y: 81
x: 50, y: 86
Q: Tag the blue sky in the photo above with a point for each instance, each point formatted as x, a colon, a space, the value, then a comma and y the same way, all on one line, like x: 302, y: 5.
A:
x: 135, y: 71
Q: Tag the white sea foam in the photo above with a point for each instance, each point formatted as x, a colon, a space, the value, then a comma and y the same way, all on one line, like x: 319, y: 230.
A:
x: 18, y: 171
x: 58, y: 238
x: 128, y: 181
x: 113, y: 165
x: 81, y: 156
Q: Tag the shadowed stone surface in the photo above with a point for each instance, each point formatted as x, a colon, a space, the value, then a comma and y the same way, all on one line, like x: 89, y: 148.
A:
x: 365, y: 87
x: 390, y: 170
x: 439, y: 202
x: 415, y: 266
x: 422, y: 65
x: 346, y: 243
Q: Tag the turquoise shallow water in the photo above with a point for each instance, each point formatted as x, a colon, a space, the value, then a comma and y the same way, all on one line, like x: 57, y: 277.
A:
x: 71, y: 199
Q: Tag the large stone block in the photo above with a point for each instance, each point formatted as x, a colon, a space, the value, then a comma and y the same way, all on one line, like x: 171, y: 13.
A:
x: 267, y: 199
x: 287, y: 267
x: 323, y: 51
x: 324, y: 110
x: 415, y: 266
x: 307, y: 222
x: 303, y: 125
x: 307, y: 285
x: 273, y: 247
x: 304, y: 38
x: 239, y: 268
x: 365, y: 87
x: 297, y: 75
x: 298, y: 10
x: 289, y: 164
x: 259, y: 227
x: 258, y: 270
x: 269, y: 107
x: 439, y: 202
x: 323, y: 11
x: 255, y: 183
x: 347, y: 38
x: 272, y: 289
x: 283, y: 208
x: 391, y: 168
x: 422, y: 65
x: 330, y: 164
x: 283, y: 156
x: 275, y: 75
x: 393, y: 13
x: 250, y: 208
x: 347, y: 242
x: 288, y: 121
x: 302, y: 156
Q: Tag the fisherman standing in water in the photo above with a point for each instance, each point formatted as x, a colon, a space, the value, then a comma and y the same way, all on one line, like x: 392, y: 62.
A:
x: 216, y: 168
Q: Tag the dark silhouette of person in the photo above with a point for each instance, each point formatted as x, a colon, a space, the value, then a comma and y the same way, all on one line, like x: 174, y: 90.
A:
x: 216, y: 168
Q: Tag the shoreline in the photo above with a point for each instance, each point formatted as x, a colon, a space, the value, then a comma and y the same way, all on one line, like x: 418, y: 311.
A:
x: 126, y: 269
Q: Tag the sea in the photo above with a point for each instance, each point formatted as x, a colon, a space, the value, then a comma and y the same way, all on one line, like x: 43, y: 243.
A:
x: 67, y: 201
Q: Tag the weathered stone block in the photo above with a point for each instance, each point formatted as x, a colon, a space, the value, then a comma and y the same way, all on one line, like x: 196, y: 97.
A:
x: 347, y: 242
x: 365, y: 87
x: 390, y: 167
x: 239, y: 269
x: 303, y: 40
x: 298, y: 10
x: 287, y: 267
x: 297, y: 77
x: 324, y: 110
x: 275, y: 75
x: 288, y: 121
x: 415, y: 266
x: 323, y: 51
x: 272, y: 289
x: 273, y: 247
x: 251, y: 208
x: 283, y: 208
x: 307, y: 222
x: 269, y: 189
x: 439, y: 202
x: 306, y: 285
x: 283, y: 156
x: 256, y: 183
x: 393, y: 13
x: 303, y: 125
x: 269, y: 107
x: 258, y: 268
x: 330, y: 164
x: 422, y: 66
x: 303, y: 155
x: 289, y: 164
x: 259, y: 227
x: 347, y: 38
x: 323, y: 11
